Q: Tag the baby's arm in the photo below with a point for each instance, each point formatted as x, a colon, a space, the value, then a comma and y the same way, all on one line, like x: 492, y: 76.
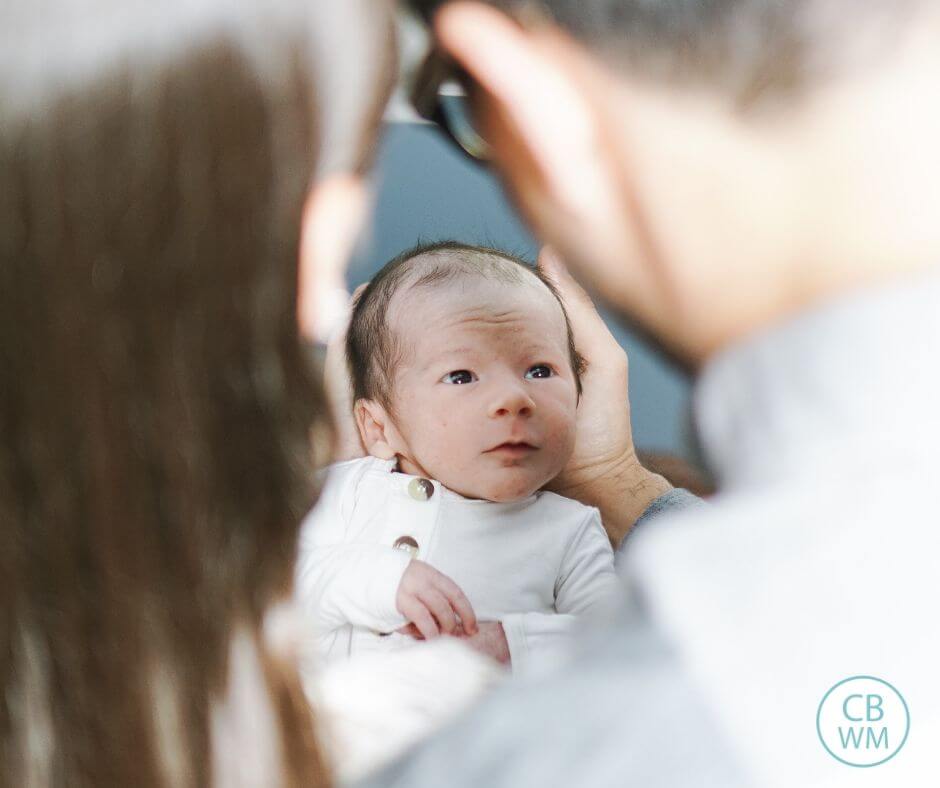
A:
x: 380, y: 588
x: 586, y: 580
x: 343, y: 577
x: 354, y: 584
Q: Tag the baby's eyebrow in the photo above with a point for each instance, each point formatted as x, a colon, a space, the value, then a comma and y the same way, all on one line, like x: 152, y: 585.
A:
x: 454, y: 351
x: 534, y: 350
x: 447, y: 353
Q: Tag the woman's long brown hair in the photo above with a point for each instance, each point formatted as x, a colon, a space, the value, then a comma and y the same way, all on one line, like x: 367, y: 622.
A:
x: 155, y: 403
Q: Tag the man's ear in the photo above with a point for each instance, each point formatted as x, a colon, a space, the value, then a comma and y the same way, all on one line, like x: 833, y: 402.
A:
x: 530, y: 75
x: 376, y: 429
x: 333, y: 216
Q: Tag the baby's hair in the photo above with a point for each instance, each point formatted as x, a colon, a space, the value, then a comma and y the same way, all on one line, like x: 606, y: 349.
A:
x: 373, y: 350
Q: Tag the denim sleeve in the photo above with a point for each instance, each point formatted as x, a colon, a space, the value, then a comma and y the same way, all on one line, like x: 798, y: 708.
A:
x: 675, y: 500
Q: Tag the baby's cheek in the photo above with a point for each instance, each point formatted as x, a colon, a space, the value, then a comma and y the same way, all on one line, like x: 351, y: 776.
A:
x: 432, y: 418
x: 561, y: 439
x: 445, y: 438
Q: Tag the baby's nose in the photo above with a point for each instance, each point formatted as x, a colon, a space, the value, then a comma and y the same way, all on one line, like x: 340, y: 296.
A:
x: 511, y: 401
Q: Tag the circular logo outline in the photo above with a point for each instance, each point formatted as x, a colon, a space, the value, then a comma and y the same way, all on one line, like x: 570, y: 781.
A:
x: 907, y: 714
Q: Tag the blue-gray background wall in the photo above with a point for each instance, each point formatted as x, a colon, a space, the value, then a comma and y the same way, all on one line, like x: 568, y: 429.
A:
x: 428, y: 192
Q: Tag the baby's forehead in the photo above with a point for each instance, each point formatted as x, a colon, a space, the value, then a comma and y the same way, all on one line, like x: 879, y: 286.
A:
x: 449, y: 292
x: 451, y: 277
x: 437, y: 311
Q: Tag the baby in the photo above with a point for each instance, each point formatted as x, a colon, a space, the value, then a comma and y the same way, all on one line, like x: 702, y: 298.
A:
x: 466, y: 385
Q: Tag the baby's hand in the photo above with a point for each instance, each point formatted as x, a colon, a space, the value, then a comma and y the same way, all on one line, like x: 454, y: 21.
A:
x: 433, y: 602
x: 490, y: 639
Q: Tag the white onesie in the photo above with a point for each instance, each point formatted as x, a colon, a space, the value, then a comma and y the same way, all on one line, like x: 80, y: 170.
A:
x: 535, y: 564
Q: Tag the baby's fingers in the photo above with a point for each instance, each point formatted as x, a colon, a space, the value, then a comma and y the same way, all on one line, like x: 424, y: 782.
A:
x: 440, y: 607
x: 411, y: 631
x: 459, y: 603
x: 416, y: 612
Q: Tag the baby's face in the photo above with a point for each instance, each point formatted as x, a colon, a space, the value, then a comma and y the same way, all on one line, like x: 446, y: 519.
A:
x: 485, y: 399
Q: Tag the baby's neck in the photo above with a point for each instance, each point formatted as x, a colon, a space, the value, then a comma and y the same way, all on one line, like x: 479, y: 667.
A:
x: 412, y: 468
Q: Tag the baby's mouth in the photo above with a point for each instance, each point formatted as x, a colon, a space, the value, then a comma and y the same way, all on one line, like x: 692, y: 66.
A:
x: 513, y: 448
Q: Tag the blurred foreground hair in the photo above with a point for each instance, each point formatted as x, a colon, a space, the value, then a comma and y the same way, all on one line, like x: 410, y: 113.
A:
x: 155, y: 403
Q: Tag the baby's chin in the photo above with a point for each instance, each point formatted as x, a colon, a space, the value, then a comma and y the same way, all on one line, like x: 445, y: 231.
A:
x: 504, y: 488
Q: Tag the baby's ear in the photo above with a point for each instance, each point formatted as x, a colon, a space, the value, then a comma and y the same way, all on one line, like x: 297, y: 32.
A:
x: 374, y: 428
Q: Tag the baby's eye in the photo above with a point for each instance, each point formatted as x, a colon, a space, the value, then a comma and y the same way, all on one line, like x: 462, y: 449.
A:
x: 539, y: 371
x: 459, y: 377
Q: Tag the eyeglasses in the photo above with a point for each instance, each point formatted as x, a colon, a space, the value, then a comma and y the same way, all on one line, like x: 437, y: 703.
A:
x: 438, y: 95
x: 435, y: 86
x: 438, y: 88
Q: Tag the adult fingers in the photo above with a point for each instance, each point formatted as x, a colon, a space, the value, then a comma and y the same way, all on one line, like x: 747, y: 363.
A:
x: 347, y: 443
x: 589, y: 329
x: 360, y: 289
x: 550, y: 264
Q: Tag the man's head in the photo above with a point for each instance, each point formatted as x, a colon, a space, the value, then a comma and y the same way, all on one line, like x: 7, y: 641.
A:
x: 464, y: 367
x: 712, y: 166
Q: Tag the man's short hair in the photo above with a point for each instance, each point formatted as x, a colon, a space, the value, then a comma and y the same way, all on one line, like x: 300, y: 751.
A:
x: 749, y: 50
x: 374, y: 350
